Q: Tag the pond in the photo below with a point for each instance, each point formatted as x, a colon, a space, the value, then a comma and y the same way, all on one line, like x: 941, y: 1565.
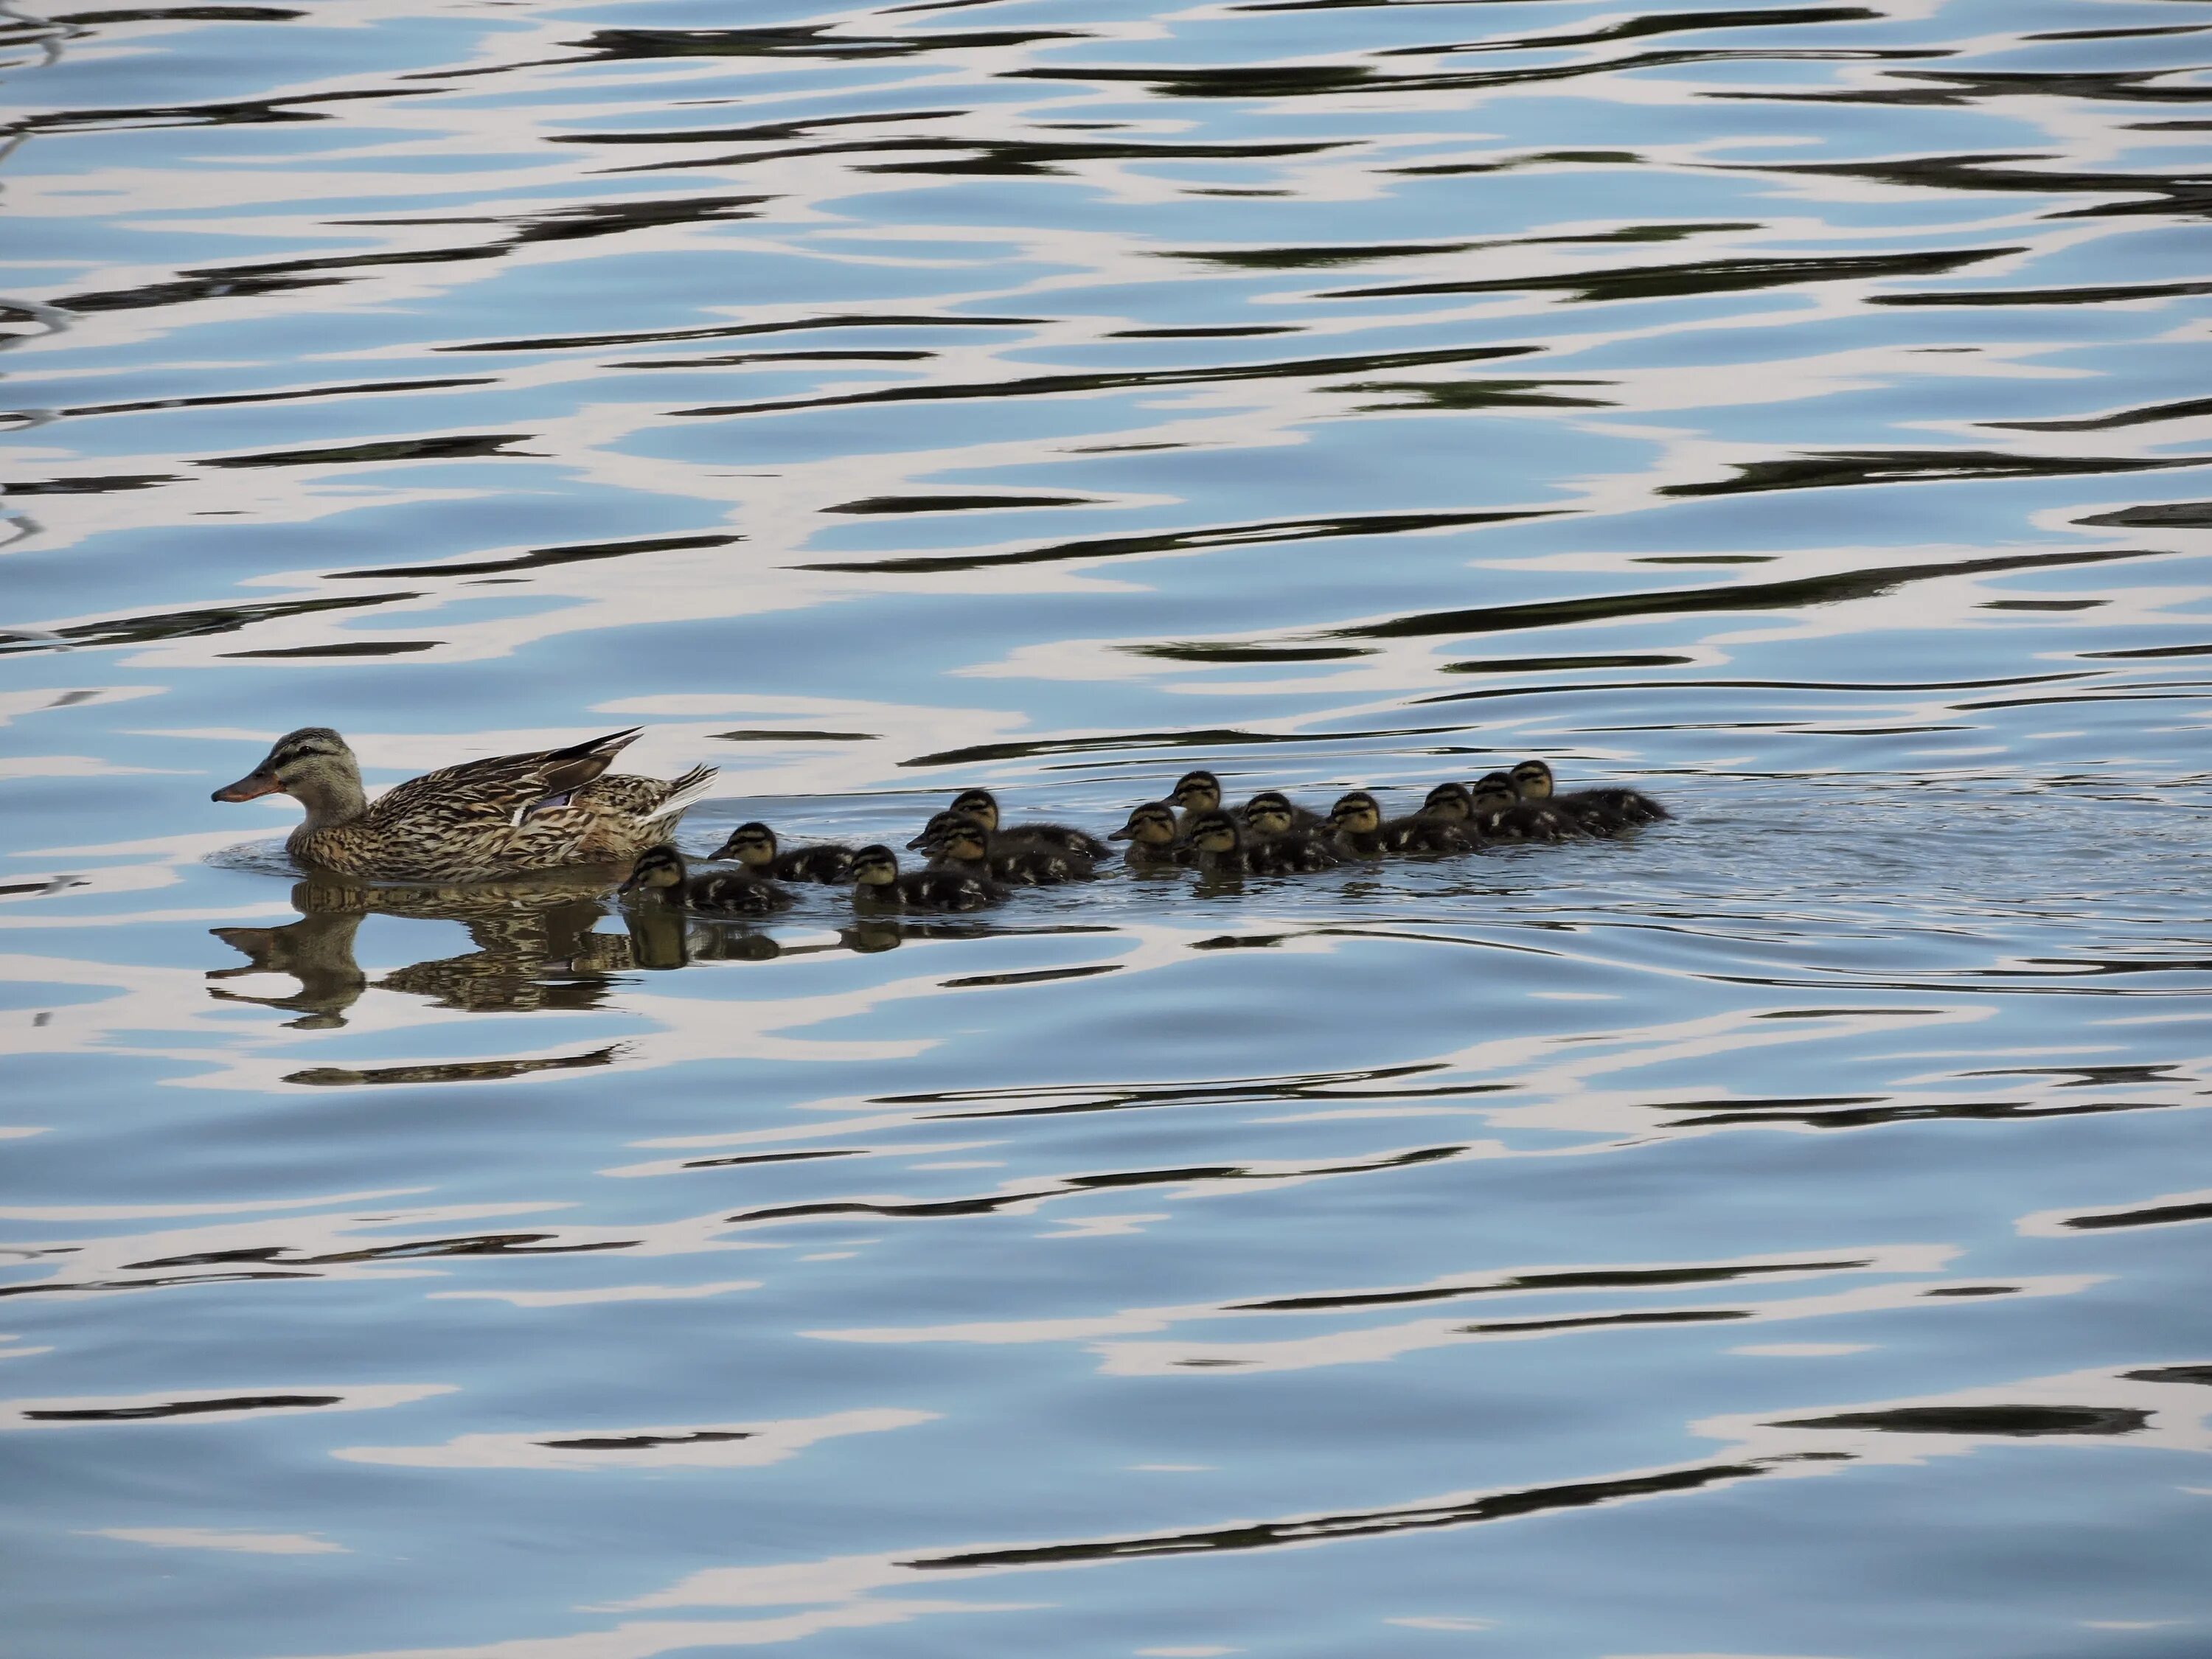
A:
x: 1778, y: 1230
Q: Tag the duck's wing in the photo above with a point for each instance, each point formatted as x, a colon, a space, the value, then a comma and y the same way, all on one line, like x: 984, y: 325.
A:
x: 508, y: 787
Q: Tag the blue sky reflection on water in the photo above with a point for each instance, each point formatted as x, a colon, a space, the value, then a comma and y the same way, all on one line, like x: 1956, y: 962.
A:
x: 1777, y: 1232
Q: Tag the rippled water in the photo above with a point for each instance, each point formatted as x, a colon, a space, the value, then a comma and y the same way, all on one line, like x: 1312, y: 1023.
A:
x: 1780, y: 1233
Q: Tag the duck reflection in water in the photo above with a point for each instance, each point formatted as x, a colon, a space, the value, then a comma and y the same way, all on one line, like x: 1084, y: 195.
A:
x: 536, y: 946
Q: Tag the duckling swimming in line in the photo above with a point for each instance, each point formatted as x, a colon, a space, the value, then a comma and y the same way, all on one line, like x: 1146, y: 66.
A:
x: 876, y: 882
x: 965, y: 844
x: 1273, y: 835
x: 982, y: 803
x: 661, y: 874
x: 1223, y: 849
x: 1359, y: 827
x: 1153, y: 838
x: 1599, y: 811
x: 754, y: 846
x: 1195, y: 792
x: 1275, y: 805
x: 1500, y: 814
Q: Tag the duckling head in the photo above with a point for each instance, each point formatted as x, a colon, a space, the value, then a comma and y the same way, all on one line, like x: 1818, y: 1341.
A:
x: 875, y: 866
x: 1197, y: 792
x: 313, y: 764
x: 751, y: 844
x: 965, y: 840
x: 1215, y: 832
x: 657, y: 869
x: 1449, y: 800
x: 934, y: 830
x: 1267, y: 813
x: 1532, y: 781
x: 978, y: 804
x: 1493, y: 792
x: 1356, y: 814
x: 1153, y: 824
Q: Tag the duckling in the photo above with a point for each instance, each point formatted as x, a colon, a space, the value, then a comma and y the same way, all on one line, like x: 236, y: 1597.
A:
x: 660, y: 874
x: 877, y: 881
x: 1153, y: 837
x: 1223, y: 849
x: 982, y: 803
x: 1358, y: 824
x: 1274, y: 838
x: 965, y: 844
x: 1195, y: 792
x: 1276, y: 806
x: 1599, y: 811
x: 1500, y: 814
x: 754, y: 846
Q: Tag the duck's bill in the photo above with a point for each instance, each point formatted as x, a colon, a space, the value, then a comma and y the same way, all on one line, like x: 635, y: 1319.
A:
x: 921, y: 840
x: 248, y: 787
x: 1122, y: 834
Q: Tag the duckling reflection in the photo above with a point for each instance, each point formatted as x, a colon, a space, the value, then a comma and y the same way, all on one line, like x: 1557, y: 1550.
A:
x: 535, y: 947
x: 1597, y: 812
x: 1155, y: 841
x: 754, y: 846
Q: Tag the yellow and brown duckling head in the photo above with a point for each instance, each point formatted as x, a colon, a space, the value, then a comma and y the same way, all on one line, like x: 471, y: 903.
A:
x: 1269, y: 813
x: 1532, y: 781
x: 1493, y: 792
x: 658, y: 871
x: 1216, y: 835
x: 1450, y: 801
x: 1355, y: 814
x: 1151, y: 825
x: 963, y: 839
x: 1197, y: 792
x: 977, y: 803
x: 875, y: 867
x: 752, y: 845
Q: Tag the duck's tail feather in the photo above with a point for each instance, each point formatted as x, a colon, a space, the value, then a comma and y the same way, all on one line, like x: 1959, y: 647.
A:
x: 686, y: 792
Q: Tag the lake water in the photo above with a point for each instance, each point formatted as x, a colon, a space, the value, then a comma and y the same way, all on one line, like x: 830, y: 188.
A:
x: 1779, y: 1232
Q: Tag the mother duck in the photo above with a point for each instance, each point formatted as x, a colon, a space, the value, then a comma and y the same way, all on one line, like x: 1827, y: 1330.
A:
x: 474, y: 822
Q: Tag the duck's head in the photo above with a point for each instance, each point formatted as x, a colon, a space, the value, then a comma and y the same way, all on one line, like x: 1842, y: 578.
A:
x: 964, y: 840
x: 1153, y: 824
x: 1356, y: 814
x: 875, y: 866
x: 657, y: 869
x: 1493, y: 792
x: 934, y: 830
x: 978, y: 804
x: 1532, y: 781
x: 305, y: 763
x: 751, y: 844
x: 1267, y: 813
x: 1449, y: 800
x: 1197, y: 792
x: 1215, y: 832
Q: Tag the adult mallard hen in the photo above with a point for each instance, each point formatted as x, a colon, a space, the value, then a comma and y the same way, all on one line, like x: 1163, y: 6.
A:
x: 474, y: 822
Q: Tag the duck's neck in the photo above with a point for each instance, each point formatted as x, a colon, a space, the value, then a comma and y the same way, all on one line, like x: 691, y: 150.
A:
x: 332, y: 797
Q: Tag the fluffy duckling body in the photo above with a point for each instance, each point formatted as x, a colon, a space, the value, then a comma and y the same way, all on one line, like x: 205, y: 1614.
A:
x: 1501, y: 814
x: 754, y: 845
x: 661, y: 874
x: 982, y: 803
x: 1599, y: 811
x: 1275, y: 839
x: 1154, y: 837
x: 1225, y: 849
x: 1359, y: 827
x: 877, y: 881
x: 965, y: 844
